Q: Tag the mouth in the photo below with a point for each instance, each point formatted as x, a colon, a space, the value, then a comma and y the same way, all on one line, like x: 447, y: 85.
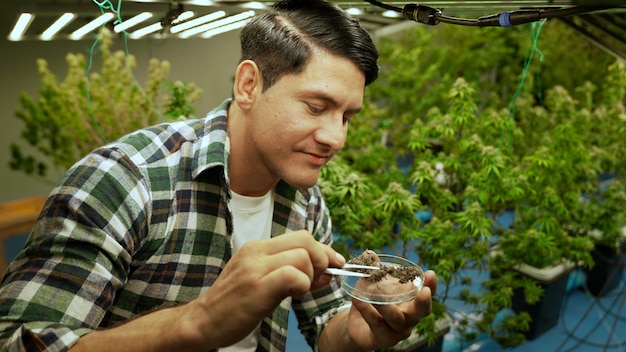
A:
x: 318, y: 159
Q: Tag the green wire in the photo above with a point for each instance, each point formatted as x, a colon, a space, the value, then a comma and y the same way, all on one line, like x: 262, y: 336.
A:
x: 103, y: 6
x: 505, y: 135
x: 107, y: 5
x: 535, y: 30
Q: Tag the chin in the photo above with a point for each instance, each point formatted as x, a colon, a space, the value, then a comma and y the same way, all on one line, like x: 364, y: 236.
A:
x: 299, y: 182
x: 300, y: 176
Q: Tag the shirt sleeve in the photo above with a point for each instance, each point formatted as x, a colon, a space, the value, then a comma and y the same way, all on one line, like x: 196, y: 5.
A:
x: 315, y: 309
x: 77, y: 256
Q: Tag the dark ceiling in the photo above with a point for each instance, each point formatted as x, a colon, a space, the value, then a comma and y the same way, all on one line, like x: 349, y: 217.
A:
x: 605, y: 27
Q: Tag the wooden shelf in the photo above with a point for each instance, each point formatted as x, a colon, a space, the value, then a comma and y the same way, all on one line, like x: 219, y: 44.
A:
x: 17, y: 218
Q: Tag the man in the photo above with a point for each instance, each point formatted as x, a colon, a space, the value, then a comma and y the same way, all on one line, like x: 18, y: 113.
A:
x: 199, y: 235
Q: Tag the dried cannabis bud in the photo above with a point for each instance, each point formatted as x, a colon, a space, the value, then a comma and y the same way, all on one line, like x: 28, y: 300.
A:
x: 403, y: 273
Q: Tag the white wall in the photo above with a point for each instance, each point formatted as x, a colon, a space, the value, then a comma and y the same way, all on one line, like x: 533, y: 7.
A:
x: 209, y: 63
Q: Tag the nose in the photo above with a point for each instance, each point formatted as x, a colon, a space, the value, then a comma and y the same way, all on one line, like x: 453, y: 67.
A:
x: 332, y: 132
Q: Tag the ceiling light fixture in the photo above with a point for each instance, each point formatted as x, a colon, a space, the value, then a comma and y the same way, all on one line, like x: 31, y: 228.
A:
x: 391, y: 14
x: 22, y: 24
x: 255, y: 5
x: 197, y: 22
x: 353, y: 11
x: 209, y: 26
x: 59, y: 24
x: 201, y: 2
x: 146, y: 30
x: 183, y: 17
x: 171, y: 18
x: 98, y: 22
x: 223, y: 29
x: 131, y: 22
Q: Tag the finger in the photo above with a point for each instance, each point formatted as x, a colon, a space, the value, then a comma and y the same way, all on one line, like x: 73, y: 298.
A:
x: 284, y: 282
x: 288, y: 241
x: 319, y: 254
x: 369, y: 313
x: 297, y: 258
x: 405, y: 316
x: 422, y: 304
x: 396, y: 319
x: 335, y: 259
x: 379, y: 327
x: 323, y: 280
x: 431, y: 280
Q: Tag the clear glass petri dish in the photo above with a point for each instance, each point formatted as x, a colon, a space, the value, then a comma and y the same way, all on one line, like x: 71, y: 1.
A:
x: 389, y: 289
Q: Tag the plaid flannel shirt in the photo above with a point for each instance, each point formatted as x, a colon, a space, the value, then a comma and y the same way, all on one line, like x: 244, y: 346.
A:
x: 144, y: 223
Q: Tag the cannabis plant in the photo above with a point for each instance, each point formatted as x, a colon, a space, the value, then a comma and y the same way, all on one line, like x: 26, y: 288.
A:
x: 602, y: 209
x: 88, y: 108
x: 568, y: 146
x: 439, y: 159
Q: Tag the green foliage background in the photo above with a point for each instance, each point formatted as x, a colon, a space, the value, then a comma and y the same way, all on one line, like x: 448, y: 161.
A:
x: 483, y: 121
x: 90, y: 107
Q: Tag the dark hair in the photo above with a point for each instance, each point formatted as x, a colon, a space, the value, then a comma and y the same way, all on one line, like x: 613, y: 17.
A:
x: 282, y: 40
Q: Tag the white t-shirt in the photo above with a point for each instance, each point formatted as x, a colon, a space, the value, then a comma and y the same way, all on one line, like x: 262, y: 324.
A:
x: 250, y: 214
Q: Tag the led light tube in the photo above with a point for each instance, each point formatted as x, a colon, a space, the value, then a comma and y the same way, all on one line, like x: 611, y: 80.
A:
x: 101, y: 20
x: 254, y: 5
x: 146, y: 30
x: 391, y: 14
x: 354, y: 11
x: 133, y: 21
x: 183, y: 16
x: 201, y: 2
x: 59, y: 24
x: 22, y: 24
x: 226, y: 28
x: 198, y: 21
x: 213, y: 25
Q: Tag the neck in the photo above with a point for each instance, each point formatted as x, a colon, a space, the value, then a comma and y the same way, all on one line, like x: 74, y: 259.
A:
x: 247, y: 175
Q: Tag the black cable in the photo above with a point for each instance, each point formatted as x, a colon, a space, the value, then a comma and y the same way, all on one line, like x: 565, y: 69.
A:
x: 512, y: 18
x: 432, y: 16
x: 422, y: 14
x: 613, y: 328
x: 384, y: 6
x: 620, y: 272
x: 584, y: 340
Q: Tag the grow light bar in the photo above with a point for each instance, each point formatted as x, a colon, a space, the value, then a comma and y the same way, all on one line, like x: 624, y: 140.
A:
x: 98, y: 22
x: 59, y: 24
x: 146, y: 30
x: 131, y: 22
x: 197, y: 22
x: 22, y: 24
x: 223, y: 22
x: 224, y: 29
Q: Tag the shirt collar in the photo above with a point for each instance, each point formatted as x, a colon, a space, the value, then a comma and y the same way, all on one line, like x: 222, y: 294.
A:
x: 212, y: 148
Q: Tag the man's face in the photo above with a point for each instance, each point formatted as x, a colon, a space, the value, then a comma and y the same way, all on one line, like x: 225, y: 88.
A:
x: 301, y: 122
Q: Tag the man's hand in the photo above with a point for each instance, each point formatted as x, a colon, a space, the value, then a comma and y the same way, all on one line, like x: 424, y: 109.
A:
x: 257, y: 278
x: 381, y: 326
x: 369, y: 327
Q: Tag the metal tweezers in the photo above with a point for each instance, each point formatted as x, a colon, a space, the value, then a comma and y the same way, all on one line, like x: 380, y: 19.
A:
x: 344, y: 270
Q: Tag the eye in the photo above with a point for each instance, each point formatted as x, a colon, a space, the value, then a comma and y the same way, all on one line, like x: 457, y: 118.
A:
x: 315, y: 110
x: 347, y: 118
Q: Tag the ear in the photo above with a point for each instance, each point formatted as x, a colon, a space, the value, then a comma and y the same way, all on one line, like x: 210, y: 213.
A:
x: 248, y: 83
